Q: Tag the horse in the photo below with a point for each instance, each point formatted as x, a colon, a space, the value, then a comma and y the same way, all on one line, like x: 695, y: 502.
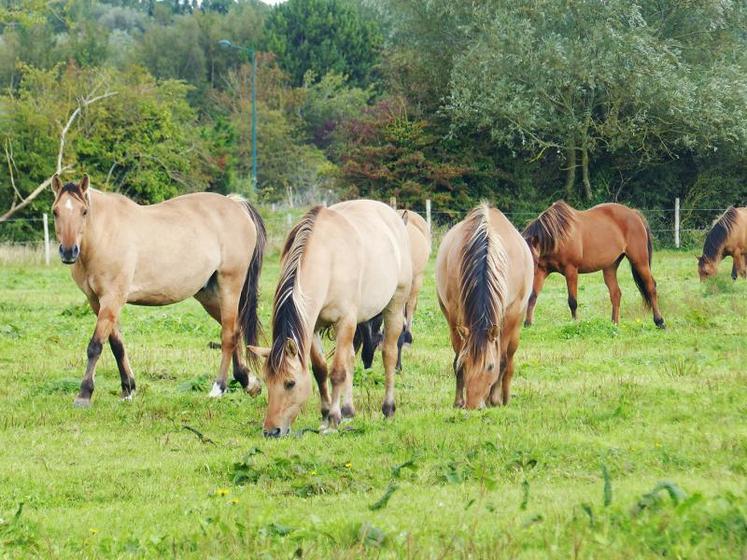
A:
x: 368, y: 334
x: 340, y: 266
x: 727, y: 237
x: 483, y: 280
x: 569, y: 241
x: 202, y: 245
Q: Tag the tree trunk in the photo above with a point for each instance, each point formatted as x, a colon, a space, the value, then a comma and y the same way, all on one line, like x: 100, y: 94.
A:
x: 570, y: 172
x: 585, y: 171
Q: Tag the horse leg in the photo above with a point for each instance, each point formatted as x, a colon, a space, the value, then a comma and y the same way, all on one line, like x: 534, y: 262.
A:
x: 107, y: 316
x: 648, y: 284
x: 508, y: 373
x: 539, y: 280
x: 369, y: 343
x: 319, y: 367
x: 228, y: 292
x: 400, y: 344
x: 571, y: 280
x: 459, y: 373
x: 341, y: 368
x: 739, y: 265
x: 393, y: 321
x: 123, y: 363
x: 610, y: 278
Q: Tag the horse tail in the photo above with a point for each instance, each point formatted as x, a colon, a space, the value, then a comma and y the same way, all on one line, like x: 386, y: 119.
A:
x: 249, y: 322
x: 639, y: 282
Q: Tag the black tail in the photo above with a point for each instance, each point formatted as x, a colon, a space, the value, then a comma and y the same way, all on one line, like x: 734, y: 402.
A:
x: 636, y: 276
x: 249, y: 301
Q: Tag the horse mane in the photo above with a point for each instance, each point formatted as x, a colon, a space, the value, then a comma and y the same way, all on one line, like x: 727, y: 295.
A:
x: 551, y: 228
x: 722, y: 227
x: 288, y: 316
x: 482, y: 283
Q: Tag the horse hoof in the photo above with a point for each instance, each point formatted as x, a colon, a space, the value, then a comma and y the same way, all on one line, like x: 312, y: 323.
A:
x: 388, y: 409
x: 527, y: 323
x: 82, y: 403
x: 129, y: 396
x: 348, y: 412
x: 333, y: 419
x: 254, y: 388
x: 327, y: 431
x: 660, y: 323
x: 216, y: 392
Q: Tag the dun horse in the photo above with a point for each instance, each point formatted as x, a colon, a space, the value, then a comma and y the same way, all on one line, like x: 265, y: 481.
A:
x: 341, y: 266
x: 570, y: 242
x: 368, y: 334
x: 204, y: 245
x: 727, y: 238
x: 483, y: 277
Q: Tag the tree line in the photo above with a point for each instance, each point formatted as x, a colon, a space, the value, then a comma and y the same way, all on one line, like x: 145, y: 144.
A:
x: 518, y: 103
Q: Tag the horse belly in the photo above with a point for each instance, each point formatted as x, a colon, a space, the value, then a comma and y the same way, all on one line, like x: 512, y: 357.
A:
x: 162, y: 284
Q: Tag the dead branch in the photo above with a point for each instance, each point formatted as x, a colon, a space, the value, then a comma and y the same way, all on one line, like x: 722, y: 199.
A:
x: 60, y: 168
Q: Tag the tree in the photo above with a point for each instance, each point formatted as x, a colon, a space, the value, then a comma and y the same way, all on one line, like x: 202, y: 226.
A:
x: 323, y: 36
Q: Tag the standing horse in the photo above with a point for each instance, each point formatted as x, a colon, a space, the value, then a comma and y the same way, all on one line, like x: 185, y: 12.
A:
x: 204, y: 245
x: 570, y: 242
x: 483, y: 277
x: 341, y: 266
x: 728, y: 237
x: 368, y: 334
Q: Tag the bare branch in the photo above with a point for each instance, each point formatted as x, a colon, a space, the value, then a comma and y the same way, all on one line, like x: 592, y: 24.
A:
x: 11, y: 165
x: 60, y: 168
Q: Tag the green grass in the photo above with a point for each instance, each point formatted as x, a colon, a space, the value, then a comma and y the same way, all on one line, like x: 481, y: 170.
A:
x: 601, y: 416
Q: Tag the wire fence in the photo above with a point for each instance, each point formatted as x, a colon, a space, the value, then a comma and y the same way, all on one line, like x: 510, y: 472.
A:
x: 24, y: 238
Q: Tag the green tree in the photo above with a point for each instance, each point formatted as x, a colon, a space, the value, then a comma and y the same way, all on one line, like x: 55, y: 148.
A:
x: 323, y: 36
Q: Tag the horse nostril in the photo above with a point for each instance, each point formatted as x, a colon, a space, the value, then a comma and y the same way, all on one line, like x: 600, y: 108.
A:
x: 62, y: 251
x: 275, y: 432
x: 76, y: 251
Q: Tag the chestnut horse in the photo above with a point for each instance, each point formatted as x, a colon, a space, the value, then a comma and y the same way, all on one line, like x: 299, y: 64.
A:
x: 571, y: 241
x: 201, y: 245
x: 484, y: 277
x: 728, y: 237
x: 368, y: 334
x: 340, y: 266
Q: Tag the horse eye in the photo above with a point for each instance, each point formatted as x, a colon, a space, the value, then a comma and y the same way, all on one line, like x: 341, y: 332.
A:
x: 289, y: 385
x: 491, y: 367
x: 85, y: 211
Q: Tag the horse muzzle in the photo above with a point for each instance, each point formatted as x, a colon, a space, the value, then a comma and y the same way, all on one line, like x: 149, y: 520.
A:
x: 69, y: 255
x: 276, y: 432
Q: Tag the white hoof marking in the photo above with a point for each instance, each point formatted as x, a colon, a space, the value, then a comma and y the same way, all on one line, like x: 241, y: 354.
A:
x: 215, y: 392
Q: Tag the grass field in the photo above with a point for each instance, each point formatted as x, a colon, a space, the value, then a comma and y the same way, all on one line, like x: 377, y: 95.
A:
x: 619, y: 442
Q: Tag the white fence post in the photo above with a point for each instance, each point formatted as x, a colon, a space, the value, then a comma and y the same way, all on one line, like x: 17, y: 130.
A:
x: 428, y: 212
x: 46, y: 238
x: 677, y: 222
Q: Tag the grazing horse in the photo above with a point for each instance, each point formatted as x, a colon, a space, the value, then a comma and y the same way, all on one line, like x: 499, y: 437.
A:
x: 728, y: 237
x: 340, y: 266
x: 484, y: 277
x: 204, y: 245
x: 570, y: 242
x: 368, y: 334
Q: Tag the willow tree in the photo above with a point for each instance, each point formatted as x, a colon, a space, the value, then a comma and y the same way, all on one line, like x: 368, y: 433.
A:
x: 581, y: 76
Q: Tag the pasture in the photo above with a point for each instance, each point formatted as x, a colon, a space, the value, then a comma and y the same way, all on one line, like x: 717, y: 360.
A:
x: 618, y: 443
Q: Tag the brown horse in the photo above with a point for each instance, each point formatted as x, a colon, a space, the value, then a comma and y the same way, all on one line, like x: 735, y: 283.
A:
x: 368, y: 334
x: 204, y: 245
x: 483, y: 277
x: 727, y: 238
x: 340, y: 266
x: 570, y: 242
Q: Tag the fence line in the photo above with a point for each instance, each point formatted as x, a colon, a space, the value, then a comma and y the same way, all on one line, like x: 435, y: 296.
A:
x: 665, y: 222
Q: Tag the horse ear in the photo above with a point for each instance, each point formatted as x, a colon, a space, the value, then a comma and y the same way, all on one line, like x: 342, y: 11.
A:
x: 463, y: 332
x: 494, y: 333
x: 83, y: 185
x: 56, y: 185
x: 405, y: 216
x: 291, y: 348
x: 259, y: 351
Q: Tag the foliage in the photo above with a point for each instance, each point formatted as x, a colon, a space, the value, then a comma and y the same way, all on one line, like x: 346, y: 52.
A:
x: 323, y: 36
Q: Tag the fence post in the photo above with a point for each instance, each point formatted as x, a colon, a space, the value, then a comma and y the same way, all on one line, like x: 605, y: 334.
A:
x: 289, y: 219
x: 428, y: 212
x: 677, y: 222
x: 45, y: 219
x: 393, y: 202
